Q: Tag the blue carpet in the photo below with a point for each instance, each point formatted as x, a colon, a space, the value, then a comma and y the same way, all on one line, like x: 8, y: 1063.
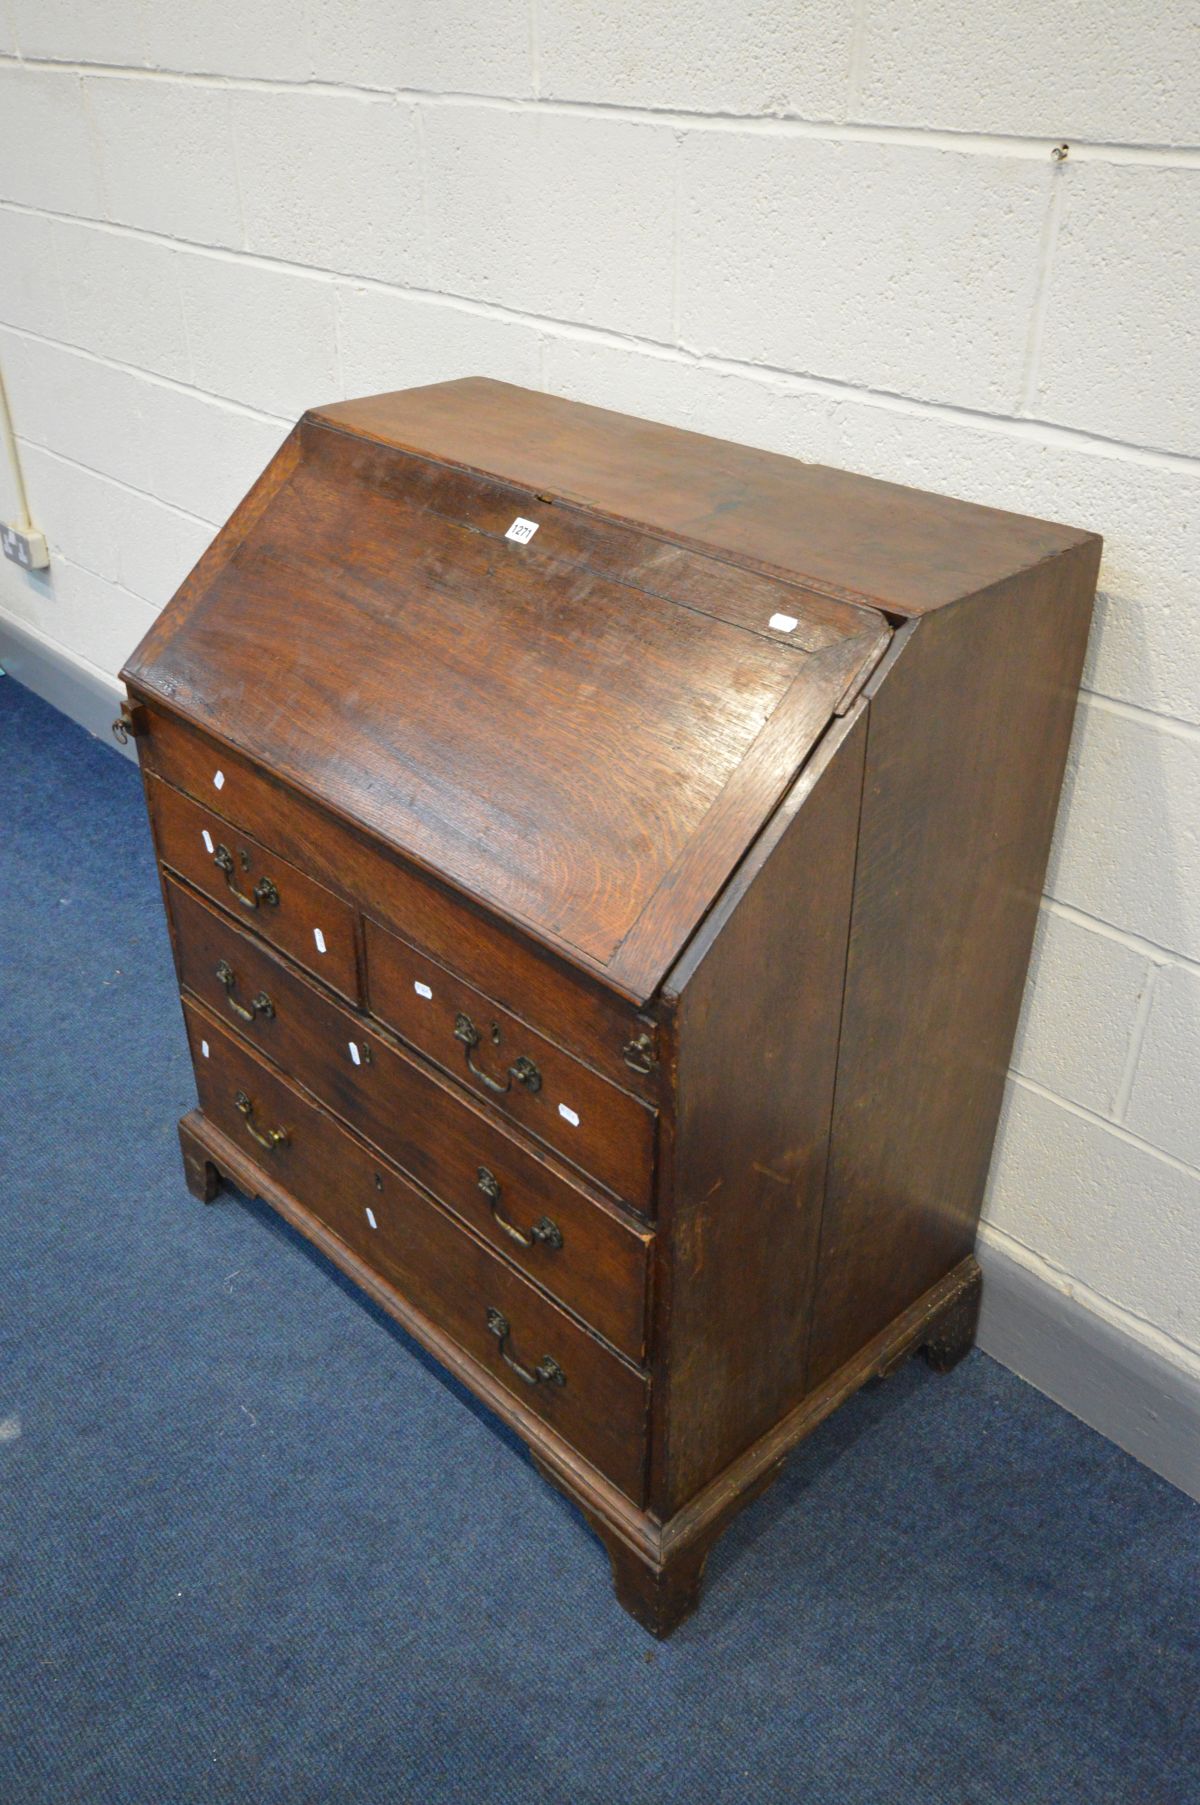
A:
x: 255, y: 1547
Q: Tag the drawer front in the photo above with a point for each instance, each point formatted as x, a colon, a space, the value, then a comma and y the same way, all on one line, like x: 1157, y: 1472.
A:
x: 250, y: 880
x: 578, y: 1248
x: 504, y: 1062
x: 589, y: 1396
x: 581, y: 1014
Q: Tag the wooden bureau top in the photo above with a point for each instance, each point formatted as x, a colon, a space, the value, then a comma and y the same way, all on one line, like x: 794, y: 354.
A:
x: 583, y: 732
x: 899, y: 549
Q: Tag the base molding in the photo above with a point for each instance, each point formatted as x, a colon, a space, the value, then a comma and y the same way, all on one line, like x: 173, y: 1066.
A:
x: 1110, y: 1380
x: 76, y: 689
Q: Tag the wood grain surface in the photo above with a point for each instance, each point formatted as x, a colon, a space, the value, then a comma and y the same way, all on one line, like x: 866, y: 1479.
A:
x: 585, y: 753
x: 899, y: 549
x: 587, y: 1120
x: 600, y: 1266
x: 969, y: 729
x: 443, y: 1269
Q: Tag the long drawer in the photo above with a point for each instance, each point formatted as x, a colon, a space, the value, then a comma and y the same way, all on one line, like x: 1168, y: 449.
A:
x: 578, y: 1247
x: 509, y: 1064
x: 572, y: 1009
x: 591, y: 1397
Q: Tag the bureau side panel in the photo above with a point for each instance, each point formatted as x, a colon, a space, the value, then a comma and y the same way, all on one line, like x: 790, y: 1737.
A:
x: 968, y: 734
x: 756, y: 1029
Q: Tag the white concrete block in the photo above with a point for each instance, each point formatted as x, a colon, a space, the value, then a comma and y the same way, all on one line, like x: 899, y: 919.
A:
x: 1101, y: 69
x: 30, y: 293
x: 75, y: 509
x: 166, y: 153
x: 1079, y: 1014
x: 95, y: 619
x: 439, y: 46
x: 72, y: 404
x: 333, y: 181
x: 47, y: 157
x: 270, y: 40
x: 764, y: 56
x: 1164, y: 1105
x: 1145, y: 646
x: 264, y: 337
x: 116, y: 533
x: 1119, y: 352
x: 563, y: 216
x: 203, y: 455
x: 898, y: 268
x: 724, y: 404
x: 159, y: 546
x: 1100, y: 1208
x: 1127, y: 846
x: 103, y: 31
x: 121, y: 298
x: 392, y: 341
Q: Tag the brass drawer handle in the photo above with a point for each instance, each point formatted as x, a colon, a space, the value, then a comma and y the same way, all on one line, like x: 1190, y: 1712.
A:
x: 264, y: 890
x: 522, y: 1069
x: 274, y: 1137
x: 639, y: 1054
x: 545, y: 1231
x: 129, y: 723
x: 546, y: 1372
x: 259, y: 1005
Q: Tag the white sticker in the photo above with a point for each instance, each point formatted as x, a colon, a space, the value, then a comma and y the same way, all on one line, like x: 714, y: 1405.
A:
x: 204, y: 1048
x: 423, y: 990
x: 319, y: 937
x: 568, y: 1115
x: 371, y: 1219
x: 207, y: 838
x: 219, y: 780
x: 354, y: 1053
x: 522, y: 530
x: 783, y: 623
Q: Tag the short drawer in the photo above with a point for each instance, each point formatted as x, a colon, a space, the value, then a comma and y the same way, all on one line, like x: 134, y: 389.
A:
x: 599, y: 1027
x: 587, y: 1394
x: 250, y: 880
x: 581, y: 1249
x: 506, y: 1063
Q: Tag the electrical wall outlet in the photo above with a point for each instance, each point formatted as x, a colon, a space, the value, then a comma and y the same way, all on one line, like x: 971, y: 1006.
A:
x: 25, y: 546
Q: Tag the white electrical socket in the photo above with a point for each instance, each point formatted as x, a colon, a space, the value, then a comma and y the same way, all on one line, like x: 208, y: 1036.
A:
x: 25, y: 546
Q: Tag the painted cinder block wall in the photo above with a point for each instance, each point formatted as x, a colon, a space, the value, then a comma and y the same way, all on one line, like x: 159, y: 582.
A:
x: 835, y: 230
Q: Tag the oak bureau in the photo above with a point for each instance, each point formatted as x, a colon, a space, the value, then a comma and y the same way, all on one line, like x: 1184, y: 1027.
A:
x: 601, y: 865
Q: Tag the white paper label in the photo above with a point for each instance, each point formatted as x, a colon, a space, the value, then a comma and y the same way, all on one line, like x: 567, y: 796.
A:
x: 568, y: 1115
x: 218, y: 780
x: 423, y: 990
x: 783, y: 623
x: 371, y: 1219
x: 319, y: 937
x: 522, y: 530
x: 207, y: 838
x: 354, y: 1053
x: 204, y: 1048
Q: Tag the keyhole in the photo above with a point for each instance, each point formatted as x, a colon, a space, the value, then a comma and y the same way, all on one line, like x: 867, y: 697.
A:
x: 243, y: 858
x: 495, y: 1035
